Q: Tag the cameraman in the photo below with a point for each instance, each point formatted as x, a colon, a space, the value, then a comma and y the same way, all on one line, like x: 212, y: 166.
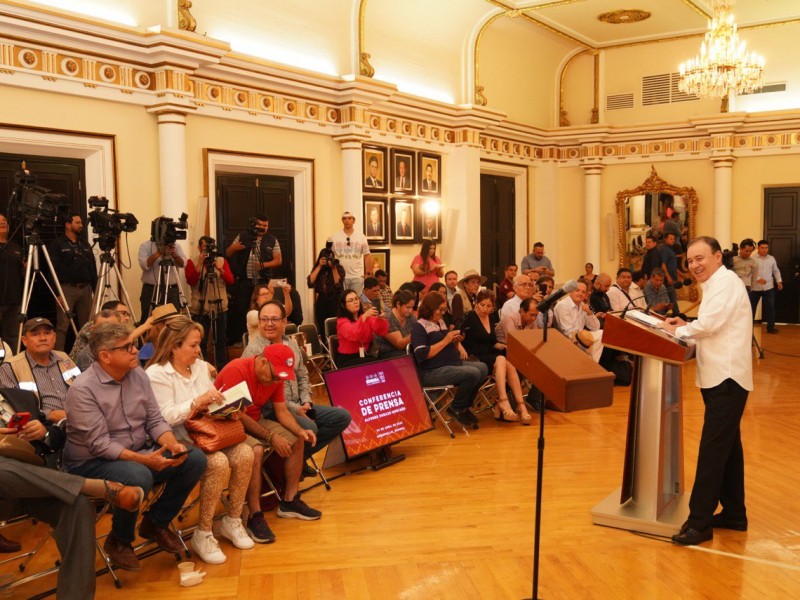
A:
x: 253, y: 255
x: 150, y: 257
x: 73, y: 261
x: 208, y: 280
x: 327, y: 279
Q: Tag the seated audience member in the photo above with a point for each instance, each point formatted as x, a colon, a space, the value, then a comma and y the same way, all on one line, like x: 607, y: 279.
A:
x: 386, y: 291
x: 371, y: 296
x: 599, y: 301
x: 505, y: 291
x: 401, y: 321
x: 113, y: 418
x: 656, y: 294
x: 265, y: 375
x: 589, y: 275
x: 523, y: 288
x: 357, y: 329
x: 464, y: 300
x: 182, y: 387
x: 442, y: 289
x: 124, y: 315
x: 574, y: 317
x: 528, y: 317
x: 442, y: 360
x: 426, y: 266
x: 416, y: 288
x: 327, y: 281
x: 40, y: 369
x: 327, y: 422
x: 262, y: 294
x: 480, y: 341
x: 621, y: 295
x: 84, y: 358
x: 451, y: 283
x: 60, y: 499
x: 160, y: 316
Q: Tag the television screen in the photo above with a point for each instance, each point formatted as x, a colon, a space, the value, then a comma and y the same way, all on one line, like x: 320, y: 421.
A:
x: 385, y: 400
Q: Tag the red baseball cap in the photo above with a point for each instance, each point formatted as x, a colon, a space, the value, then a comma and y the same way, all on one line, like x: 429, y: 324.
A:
x: 282, y: 359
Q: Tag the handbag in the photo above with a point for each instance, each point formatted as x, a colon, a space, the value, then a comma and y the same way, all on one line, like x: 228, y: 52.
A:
x: 211, y: 434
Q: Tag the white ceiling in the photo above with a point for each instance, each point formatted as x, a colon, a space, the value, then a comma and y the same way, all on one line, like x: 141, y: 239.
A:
x: 669, y: 18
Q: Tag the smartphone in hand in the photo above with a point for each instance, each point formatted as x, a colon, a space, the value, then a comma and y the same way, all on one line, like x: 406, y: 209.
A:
x: 19, y: 420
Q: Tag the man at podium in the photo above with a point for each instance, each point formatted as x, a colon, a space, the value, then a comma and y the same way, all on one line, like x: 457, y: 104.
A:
x: 722, y: 334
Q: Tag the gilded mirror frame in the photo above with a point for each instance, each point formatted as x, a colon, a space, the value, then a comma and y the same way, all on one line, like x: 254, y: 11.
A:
x: 655, y: 185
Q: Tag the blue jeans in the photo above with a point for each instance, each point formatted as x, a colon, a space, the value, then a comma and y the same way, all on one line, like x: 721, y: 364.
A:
x: 468, y: 377
x: 767, y: 308
x: 180, y: 482
x: 330, y: 421
x: 221, y: 342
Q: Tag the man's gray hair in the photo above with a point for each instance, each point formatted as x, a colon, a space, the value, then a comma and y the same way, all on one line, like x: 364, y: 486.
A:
x: 106, y: 313
x: 105, y: 336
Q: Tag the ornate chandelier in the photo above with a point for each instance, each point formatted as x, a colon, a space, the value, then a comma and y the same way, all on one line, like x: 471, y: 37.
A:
x: 723, y: 66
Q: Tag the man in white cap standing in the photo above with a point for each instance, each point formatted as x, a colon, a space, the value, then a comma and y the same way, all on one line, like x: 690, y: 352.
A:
x: 352, y: 251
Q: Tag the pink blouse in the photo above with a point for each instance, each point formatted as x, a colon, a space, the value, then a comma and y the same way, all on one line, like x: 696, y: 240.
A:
x: 430, y: 277
x: 359, y: 333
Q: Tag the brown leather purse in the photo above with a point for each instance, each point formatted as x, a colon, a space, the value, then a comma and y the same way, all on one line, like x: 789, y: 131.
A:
x: 211, y: 434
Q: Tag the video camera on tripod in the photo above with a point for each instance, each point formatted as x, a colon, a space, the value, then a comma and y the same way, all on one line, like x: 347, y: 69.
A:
x: 36, y: 208
x: 108, y: 224
x: 211, y: 252
x: 165, y: 231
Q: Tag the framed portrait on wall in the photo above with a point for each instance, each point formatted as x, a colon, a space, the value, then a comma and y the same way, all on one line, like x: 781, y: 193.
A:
x: 403, y: 221
x: 375, y: 222
x: 429, y: 223
x: 403, y: 180
x: 429, y: 172
x: 375, y: 167
x: 380, y: 260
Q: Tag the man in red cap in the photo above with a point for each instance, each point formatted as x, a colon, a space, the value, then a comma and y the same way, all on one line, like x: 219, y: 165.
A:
x: 264, y: 375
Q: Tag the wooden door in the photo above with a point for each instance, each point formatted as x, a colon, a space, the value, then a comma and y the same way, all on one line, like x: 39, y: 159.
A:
x: 782, y: 231
x: 497, y: 226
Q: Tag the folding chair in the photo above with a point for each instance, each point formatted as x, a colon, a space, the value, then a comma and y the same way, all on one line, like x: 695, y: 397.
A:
x: 291, y: 329
x: 333, y: 349
x: 26, y: 557
x: 485, y: 397
x: 439, y: 399
x: 318, y: 359
x: 330, y: 326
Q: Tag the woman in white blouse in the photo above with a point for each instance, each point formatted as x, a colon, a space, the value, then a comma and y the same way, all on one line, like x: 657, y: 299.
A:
x: 181, y: 384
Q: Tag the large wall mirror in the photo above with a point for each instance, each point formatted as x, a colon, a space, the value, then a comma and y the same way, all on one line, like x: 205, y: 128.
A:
x: 644, y: 210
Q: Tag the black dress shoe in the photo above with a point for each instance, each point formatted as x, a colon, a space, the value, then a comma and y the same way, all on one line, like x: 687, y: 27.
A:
x: 691, y: 537
x: 723, y: 521
x: 7, y: 545
x: 309, y: 471
x: 120, y: 554
x: 773, y: 330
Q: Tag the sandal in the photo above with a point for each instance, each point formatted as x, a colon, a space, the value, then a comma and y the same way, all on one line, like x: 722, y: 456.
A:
x: 504, y: 414
x: 524, y: 417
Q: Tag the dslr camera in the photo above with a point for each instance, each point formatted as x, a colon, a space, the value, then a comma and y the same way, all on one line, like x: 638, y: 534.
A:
x: 165, y: 231
x: 330, y: 258
x: 108, y: 224
x: 212, y: 252
x: 253, y: 228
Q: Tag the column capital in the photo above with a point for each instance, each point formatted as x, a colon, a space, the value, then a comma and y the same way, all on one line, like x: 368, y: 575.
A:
x: 352, y: 140
x: 724, y: 161
x: 592, y: 168
x: 170, y: 113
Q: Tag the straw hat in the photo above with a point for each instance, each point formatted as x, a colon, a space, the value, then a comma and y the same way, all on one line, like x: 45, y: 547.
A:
x: 13, y: 447
x: 472, y: 273
x: 164, y: 312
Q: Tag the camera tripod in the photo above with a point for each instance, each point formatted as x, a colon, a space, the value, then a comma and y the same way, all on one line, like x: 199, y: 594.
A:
x: 209, y: 280
x: 108, y: 265
x: 160, y: 296
x: 35, y: 245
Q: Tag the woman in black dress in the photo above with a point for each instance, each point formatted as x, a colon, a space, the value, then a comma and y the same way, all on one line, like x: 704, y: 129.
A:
x: 480, y: 341
x: 327, y: 280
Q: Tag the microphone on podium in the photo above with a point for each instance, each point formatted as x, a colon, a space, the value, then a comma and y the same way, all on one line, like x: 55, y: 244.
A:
x: 545, y: 304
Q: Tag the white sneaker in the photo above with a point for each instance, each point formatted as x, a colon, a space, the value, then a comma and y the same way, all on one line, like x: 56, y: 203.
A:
x: 233, y: 531
x: 207, y: 548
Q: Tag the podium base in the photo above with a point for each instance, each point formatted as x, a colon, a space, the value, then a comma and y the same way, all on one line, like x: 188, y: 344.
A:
x: 636, y: 517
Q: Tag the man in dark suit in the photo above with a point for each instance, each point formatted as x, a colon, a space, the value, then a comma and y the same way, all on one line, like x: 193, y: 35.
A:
x: 429, y: 184
x: 375, y: 225
x: 403, y: 227
x: 403, y: 179
x: 429, y: 230
x: 372, y: 181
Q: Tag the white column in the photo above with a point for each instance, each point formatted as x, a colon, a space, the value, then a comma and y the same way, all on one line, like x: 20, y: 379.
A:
x: 723, y: 200
x: 461, y: 209
x: 352, y: 180
x: 172, y: 163
x: 593, y: 223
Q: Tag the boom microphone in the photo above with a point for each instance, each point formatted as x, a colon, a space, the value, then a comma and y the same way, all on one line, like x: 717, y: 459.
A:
x: 545, y: 304
x: 679, y: 284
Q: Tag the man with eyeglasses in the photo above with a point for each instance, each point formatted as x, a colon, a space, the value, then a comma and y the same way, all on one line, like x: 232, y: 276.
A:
x: 523, y: 288
x: 269, y: 422
x: 124, y: 316
x: 327, y: 422
x: 41, y: 369
x: 114, y: 420
x: 352, y: 251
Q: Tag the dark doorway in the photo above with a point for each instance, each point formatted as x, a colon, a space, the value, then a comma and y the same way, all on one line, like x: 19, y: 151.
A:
x: 782, y: 231
x: 61, y: 176
x: 497, y: 226
x: 240, y: 197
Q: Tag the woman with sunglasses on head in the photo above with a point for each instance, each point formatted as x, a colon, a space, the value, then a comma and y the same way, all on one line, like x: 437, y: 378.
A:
x: 356, y: 329
x: 480, y: 341
x: 182, y: 385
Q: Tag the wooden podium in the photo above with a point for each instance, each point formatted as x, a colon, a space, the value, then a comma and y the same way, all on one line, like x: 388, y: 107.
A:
x: 651, y: 498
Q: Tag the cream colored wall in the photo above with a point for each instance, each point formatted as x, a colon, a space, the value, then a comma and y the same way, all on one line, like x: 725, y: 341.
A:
x: 578, y: 98
x: 518, y: 64
x: 569, y: 259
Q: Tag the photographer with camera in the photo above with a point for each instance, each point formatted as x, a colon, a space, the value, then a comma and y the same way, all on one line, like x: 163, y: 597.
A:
x: 73, y: 261
x: 151, y: 254
x: 327, y: 280
x: 208, y: 274
x: 253, y: 255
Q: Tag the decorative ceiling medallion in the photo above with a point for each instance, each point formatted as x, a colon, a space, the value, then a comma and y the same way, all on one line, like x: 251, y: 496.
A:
x: 620, y: 17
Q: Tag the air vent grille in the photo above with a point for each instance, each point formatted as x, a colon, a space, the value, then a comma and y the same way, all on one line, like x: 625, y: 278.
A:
x: 619, y: 101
